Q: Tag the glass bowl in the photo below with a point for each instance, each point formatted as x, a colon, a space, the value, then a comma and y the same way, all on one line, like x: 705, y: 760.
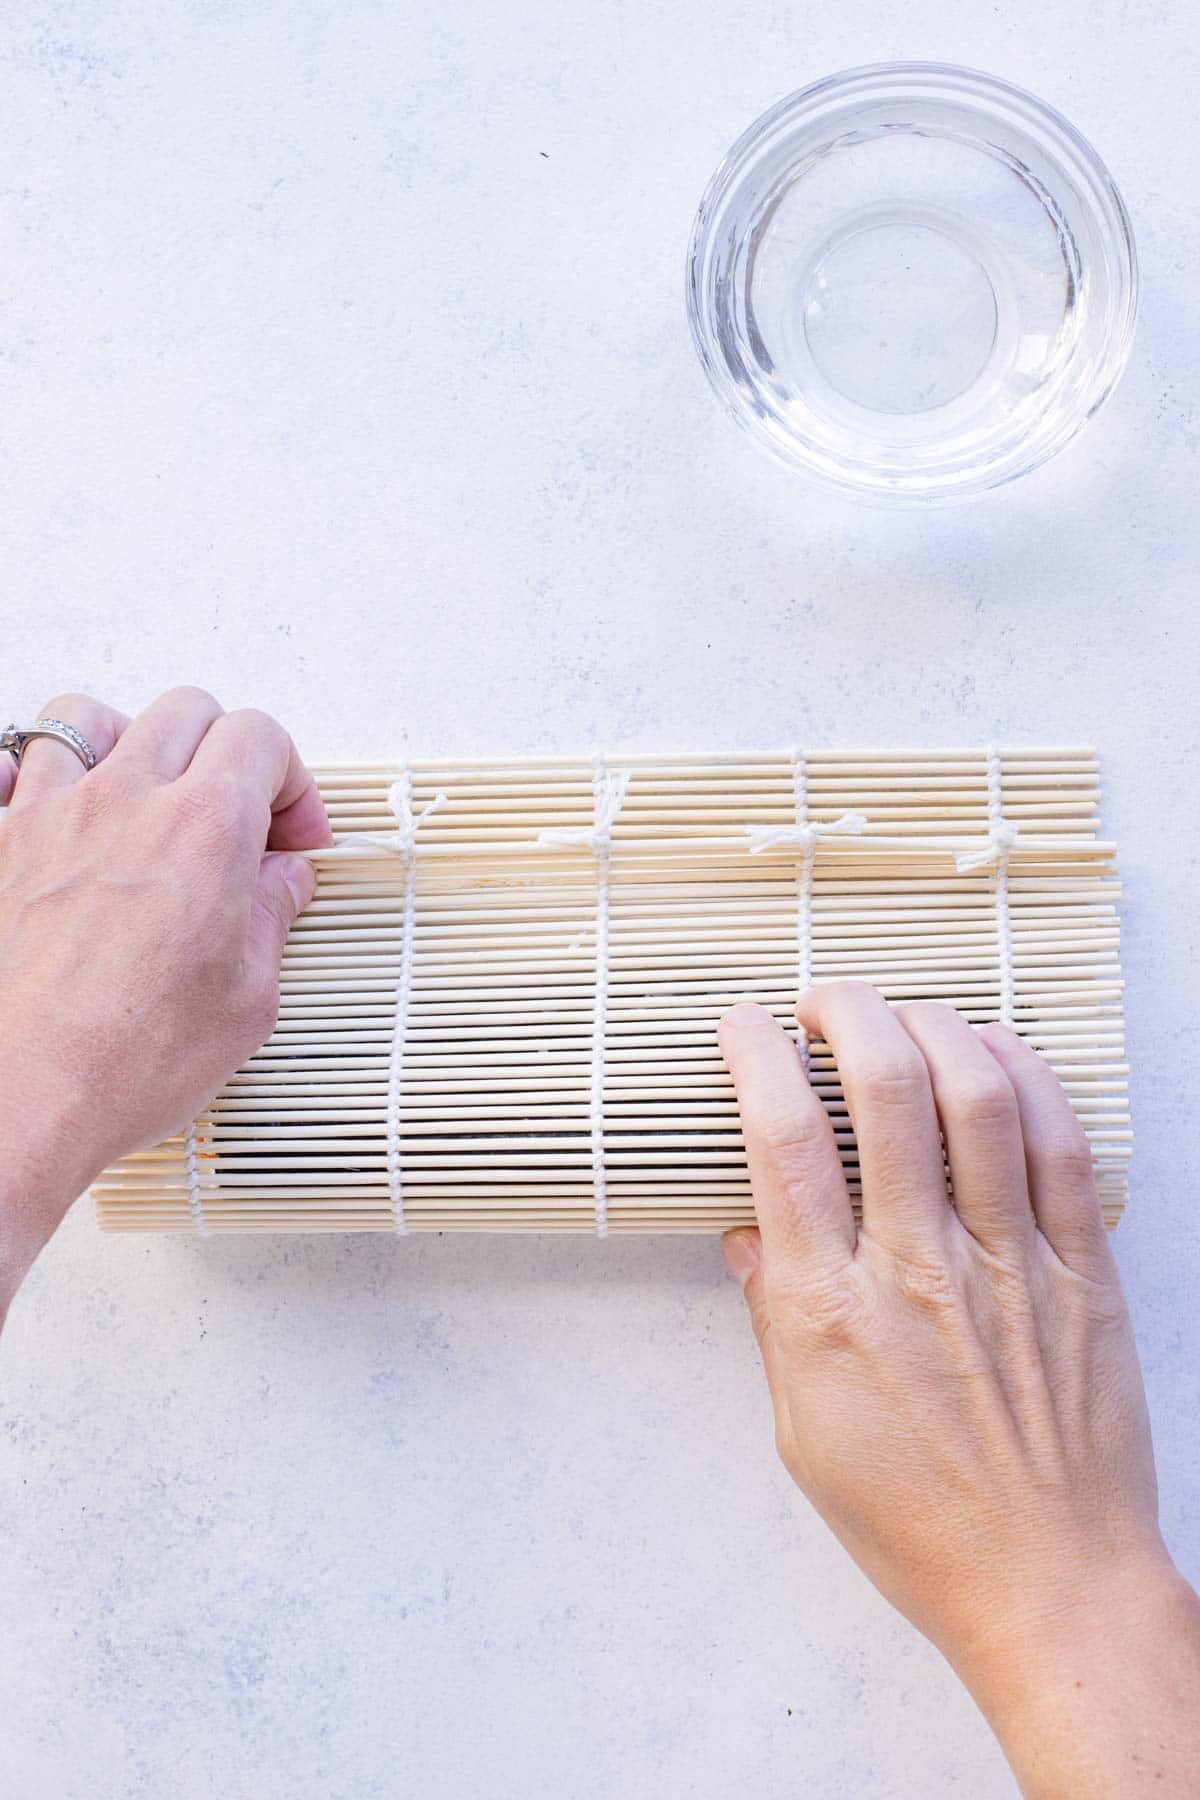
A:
x: 912, y: 281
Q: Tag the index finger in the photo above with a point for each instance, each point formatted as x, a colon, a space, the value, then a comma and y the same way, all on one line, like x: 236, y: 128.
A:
x: 800, y: 1193
x: 256, y: 751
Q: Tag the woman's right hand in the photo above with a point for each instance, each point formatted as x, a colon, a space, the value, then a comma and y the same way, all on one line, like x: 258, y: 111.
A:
x: 956, y: 1388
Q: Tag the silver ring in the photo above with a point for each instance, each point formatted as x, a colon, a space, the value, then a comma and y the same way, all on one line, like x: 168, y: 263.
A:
x: 17, y: 741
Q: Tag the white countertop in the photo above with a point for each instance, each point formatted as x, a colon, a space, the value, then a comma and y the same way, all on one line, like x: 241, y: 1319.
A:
x: 343, y: 370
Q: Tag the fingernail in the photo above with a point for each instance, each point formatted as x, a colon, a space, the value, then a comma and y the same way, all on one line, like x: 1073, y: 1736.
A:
x: 743, y: 1253
x: 301, y: 879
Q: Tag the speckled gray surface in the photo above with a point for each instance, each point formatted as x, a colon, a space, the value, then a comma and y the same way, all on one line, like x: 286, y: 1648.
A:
x: 343, y: 370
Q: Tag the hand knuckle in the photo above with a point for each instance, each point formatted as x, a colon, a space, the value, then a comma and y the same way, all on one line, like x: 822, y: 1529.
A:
x: 69, y: 707
x: 893, y: 1081
x: 1070, y: 1155
x: 789, y: 1144
x: 928, y: 1285
x: 253, y: 718
x: 251, y: 726
x: 778, y: 1128
x: 921, y: 1008
x: 188, y: 696
x: 790, y: 1171
x: 980, y: 1102
x: 814, y: 1309
x: 932, y: 1012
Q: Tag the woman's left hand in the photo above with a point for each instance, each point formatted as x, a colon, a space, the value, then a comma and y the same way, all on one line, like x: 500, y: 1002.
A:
x: 144, y: 906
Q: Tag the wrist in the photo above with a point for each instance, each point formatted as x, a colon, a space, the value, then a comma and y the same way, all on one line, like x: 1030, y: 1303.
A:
x: 1098, y: 1688
x: 43, y: 1168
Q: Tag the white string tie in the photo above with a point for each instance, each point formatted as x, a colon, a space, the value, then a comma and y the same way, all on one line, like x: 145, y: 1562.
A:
x: 404, y: 839
x: 404, y: 842
x: 608, y: 797
x: 995, y: 849
x: 400, y: 842
x: 804, y: 836
x: 1002, y: 835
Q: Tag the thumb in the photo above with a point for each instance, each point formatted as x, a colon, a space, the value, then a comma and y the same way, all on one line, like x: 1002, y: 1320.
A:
x: 742, y: 1250
x: 284, y: 888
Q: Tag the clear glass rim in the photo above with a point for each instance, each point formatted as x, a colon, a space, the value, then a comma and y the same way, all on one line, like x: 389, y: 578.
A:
x: 992, y: 97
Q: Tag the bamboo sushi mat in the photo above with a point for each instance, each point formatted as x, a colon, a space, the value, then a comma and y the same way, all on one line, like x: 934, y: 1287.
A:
x: 499, y: 1012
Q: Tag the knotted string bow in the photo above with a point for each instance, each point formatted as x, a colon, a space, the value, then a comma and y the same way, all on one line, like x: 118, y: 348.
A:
x: 995, y: 848
x: 804, y: 837
x: 596, y: 837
